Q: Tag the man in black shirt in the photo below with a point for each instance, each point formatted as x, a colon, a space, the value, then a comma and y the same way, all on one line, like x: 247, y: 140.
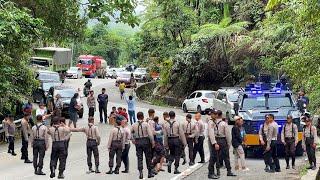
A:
x: 73, y: 110
x: 103, y: 104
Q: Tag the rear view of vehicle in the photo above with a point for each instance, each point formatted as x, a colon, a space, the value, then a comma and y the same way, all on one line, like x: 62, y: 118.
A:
x: 198, y: 101
x: 259, y: 100
x: 225, y: 101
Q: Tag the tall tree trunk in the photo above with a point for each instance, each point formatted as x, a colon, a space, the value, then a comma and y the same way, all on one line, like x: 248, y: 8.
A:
x: 226, y: 10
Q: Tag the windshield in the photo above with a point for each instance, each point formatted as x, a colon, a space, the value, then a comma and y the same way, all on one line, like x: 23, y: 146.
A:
x: 47, y: 86
x: 260, y: 101
x: 74, y: 69
x: 121, y: 75
x: 253, y: 102
x: 277, y: 102
x: 209, y: 95
x: 233, y: 97
x: 49, y: 77
x: 65, y: 93
x: 85, y: 61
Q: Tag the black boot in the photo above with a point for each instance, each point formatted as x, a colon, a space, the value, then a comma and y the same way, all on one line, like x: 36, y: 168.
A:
x: 150, y: 175
x: 125, y: 170
x: 110, y: 171
x: 27, y: 161
x: 211, y: 175
x: 140, y: 175
x: 97, y: 170
x: 35, y: 171
x: 13, y: 153
x: 52, y: 174
x: 184, y: 161
x: 169, y: 167
x: 60, y: 176
x: 90, y: 170
x: 176, y: 171
x: 40, y: 172
x: 229, y: 173
x: 218, y: 172
x: 116, y: 171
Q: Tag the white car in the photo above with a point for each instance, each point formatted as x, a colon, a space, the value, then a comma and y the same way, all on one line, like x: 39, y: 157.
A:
x: 74, y: 72
x: 199, y: 101
x: 225, y: 100
x: 140, y: 74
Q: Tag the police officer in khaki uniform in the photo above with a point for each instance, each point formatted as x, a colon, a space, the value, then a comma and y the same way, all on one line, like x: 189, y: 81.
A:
x: 116, y: 145
x: 190, y: 131
x: 59, y: 134
x: 309, y: 140
x: 263, y: 130
x: 39, y: 143
x: 198, y: 146
x: 289, y: 137
x: 213, y: 147
x: 25, y: 131
x: 93, y: 141
x: 271, y: 149
x: 223, y: 138
x: 174, y: 140
x: 144, y: 141
x: 10, y: 129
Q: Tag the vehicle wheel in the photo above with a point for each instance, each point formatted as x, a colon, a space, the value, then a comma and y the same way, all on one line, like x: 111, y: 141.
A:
x: 199, y: 109
x: 184, y: 107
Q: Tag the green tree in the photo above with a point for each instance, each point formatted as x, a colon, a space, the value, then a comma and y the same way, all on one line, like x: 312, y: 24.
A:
x: 18, y: 30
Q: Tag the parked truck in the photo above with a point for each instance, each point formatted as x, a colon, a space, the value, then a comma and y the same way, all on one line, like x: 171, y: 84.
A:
x: 52, y: 59
x: 92, y: 66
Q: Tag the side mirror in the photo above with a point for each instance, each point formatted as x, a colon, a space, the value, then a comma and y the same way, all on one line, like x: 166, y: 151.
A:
x: 236, y: 108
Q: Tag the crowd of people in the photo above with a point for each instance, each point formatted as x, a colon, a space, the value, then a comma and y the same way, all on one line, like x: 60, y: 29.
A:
x: 160, y: 139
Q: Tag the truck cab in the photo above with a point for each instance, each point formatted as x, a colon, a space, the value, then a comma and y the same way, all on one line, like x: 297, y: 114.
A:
x: 258, y: 100
x: 92, y: 66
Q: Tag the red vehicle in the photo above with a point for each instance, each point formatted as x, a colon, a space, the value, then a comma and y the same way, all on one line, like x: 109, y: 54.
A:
x: 92, y: 66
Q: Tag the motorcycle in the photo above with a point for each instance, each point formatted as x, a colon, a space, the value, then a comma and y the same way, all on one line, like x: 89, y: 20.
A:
x: 86, y: 91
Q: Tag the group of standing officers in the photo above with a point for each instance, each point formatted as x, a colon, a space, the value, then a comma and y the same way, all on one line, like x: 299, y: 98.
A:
x: 159, y: 140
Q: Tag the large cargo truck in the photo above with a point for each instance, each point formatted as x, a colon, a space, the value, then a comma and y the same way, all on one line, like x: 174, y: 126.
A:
x: 92, y: 66
x: 52, y: 59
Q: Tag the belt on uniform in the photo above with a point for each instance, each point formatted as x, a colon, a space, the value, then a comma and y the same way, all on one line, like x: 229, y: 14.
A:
x: 273, y: 139
x: 217, y: 137
x: 173, y: 137
x: 90, y: 139
x: 39, y: 140
x: 187, y: 133
x: 289, y: 138
x: 141, y: 138
x: 62, y: 141
x: 116, y: 140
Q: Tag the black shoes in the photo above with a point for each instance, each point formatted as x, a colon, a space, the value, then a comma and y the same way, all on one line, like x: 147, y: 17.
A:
x: 212, y: 176
x: 191, y: 163
x: 60, y: 176
x: 169, y: 167
x: 140, y: 175
x: 202, y: 161
x: 90, y: 170
x: 13, y: 154
x: 288, y: 167
x: 110, y: 171
x: 27, y: 161
x: 176, y: 171
x: 150, y: 175
x: 116, y: 171
x: 184, y: 162
x: 97, y: 170
x: 40, y: 172
x: 52, y: 174
x: 230, y: 174
x: 125, y: 171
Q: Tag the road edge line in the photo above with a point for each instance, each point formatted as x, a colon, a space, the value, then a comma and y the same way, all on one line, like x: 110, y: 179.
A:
x: 191, y: 169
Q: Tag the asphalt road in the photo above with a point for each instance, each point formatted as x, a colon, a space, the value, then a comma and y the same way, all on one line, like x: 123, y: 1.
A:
x: 12, y: 168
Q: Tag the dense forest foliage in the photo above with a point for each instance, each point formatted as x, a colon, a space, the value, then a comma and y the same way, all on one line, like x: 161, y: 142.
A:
x: 195, y: 44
